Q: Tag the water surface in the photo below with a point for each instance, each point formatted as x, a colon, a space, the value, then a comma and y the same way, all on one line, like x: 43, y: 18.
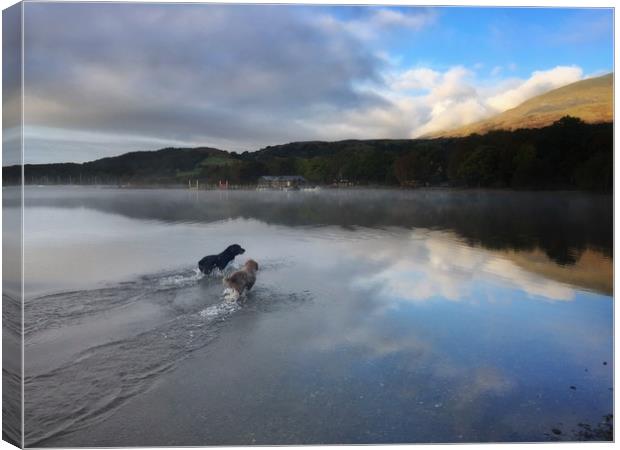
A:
x: 377, y: 317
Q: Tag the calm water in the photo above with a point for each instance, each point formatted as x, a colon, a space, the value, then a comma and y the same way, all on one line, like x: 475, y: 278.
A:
x: 377, y: 317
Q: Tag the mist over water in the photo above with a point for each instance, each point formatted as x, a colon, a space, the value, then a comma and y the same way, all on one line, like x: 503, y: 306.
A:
x: 377, y: 316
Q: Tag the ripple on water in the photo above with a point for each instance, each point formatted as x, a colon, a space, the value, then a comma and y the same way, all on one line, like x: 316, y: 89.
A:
x: 101, y: 378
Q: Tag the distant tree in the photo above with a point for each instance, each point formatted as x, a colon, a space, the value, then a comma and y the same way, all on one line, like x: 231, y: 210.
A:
x: 425, y: 163
x: 567, y: 154
x: 282, y: 166
x: 404, y: 168
x: 526, y: 167
x: 567, y: 123
x: 251, y: 171
x: 563, y: 147
x: 596, y: 173
x: 481, y: 167
x: 365, y: 165
x: 458, y: 153
x: 319, y: 170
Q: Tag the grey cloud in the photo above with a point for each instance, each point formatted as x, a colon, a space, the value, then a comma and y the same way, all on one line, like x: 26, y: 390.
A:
x: 249, y: 75
x: 11, y: 85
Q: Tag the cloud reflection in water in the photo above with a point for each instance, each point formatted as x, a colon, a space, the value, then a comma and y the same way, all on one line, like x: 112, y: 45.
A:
x: 432, y: 264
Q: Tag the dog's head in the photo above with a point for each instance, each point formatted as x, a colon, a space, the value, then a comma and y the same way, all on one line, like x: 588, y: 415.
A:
x: 252, y: 265
x: 235, y: 250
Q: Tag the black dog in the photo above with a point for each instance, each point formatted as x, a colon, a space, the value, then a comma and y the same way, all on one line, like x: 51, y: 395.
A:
x: 208, y: 263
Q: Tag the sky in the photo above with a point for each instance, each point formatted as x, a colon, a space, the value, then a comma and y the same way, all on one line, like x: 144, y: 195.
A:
x: 104, y: 79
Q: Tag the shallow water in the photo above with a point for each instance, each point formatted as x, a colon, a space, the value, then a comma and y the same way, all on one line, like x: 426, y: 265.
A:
x: 378, y: 317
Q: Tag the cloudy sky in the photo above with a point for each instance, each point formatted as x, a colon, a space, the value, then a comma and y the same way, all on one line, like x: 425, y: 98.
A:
x: 104, y: 79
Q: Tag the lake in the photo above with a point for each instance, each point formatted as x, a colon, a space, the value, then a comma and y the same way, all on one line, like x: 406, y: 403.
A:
x: 378, y: 316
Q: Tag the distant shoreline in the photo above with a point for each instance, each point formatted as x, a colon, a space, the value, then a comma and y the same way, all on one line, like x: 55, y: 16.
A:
x: 569, y: 154
x: 321, y: 188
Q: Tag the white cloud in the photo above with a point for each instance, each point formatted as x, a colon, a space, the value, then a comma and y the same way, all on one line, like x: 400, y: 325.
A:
x: 423, y: 100
x: 391, y: 17
x: 538, y: 83
x: 417, y: 78
x: 455, y: 85
x: 454, y: 113
x: 443, y: 267
x: 379, y: 21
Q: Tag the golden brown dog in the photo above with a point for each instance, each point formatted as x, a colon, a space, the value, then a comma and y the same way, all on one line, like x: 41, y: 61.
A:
x: 243, y: 280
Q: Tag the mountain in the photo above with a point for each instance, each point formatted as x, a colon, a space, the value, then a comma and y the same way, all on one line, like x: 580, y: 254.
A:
x: 591, y: 100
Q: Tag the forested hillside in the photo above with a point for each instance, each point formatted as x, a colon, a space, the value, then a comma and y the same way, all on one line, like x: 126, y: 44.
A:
x: 567, y: 154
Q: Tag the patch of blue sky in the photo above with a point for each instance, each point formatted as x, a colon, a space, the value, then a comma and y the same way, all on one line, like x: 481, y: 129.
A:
x: 517, y: 40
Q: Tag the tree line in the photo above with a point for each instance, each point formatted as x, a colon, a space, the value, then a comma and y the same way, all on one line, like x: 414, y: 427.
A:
x: 567, y: 154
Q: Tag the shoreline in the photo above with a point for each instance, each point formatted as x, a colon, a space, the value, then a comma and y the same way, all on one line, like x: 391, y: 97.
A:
x: 316, y: 188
